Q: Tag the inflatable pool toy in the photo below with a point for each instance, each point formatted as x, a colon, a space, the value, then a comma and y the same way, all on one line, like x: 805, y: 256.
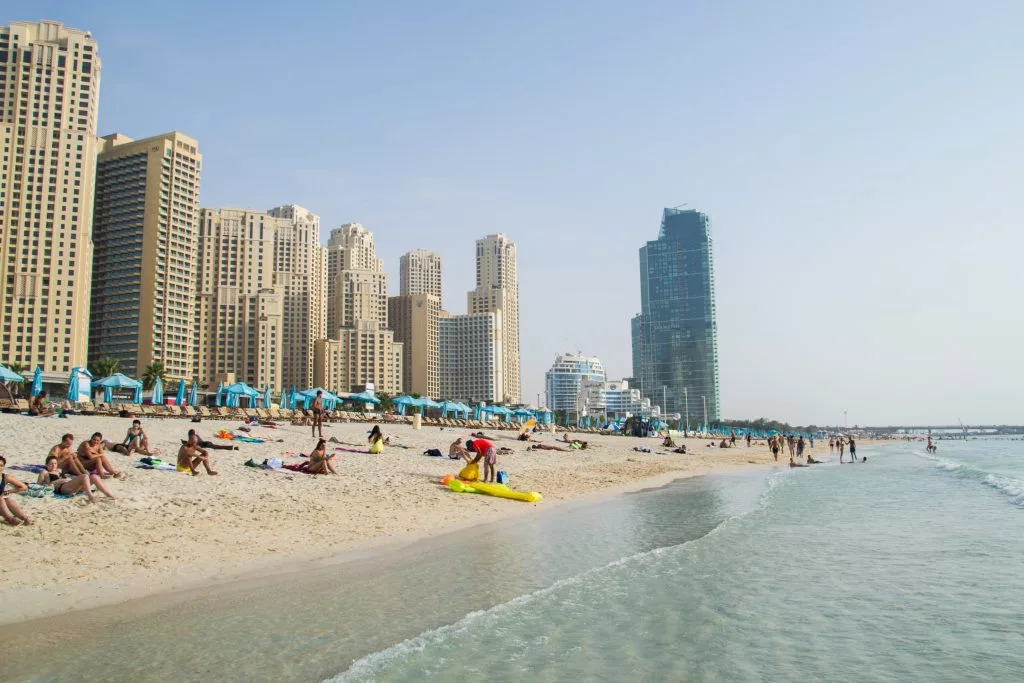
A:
x: 498, y: 490
x: 470, y: 472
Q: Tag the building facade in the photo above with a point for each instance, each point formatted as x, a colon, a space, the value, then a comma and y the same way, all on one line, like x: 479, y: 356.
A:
x: 563, y: 380
x: 357, y: 317
x: 613, y: 399
x: 49, y: 94
x: 675, y: 338
x: 239, y: 310
x: 420, y: 273
x: 414, y: 320
x: 145, y: 246
x: 300, y: 271
x: 497, y: 290
x: 470, y: 357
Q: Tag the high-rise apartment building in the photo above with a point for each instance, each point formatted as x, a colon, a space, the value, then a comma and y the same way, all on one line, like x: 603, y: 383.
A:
x: 414, y: 320
x: 239, y: 312
x: 497, y: 290
x: 471, y: 357
x: 49, y: 94
x: 300, y: 270
x: 566, y: 375
x: 145, y: 245
x: 675, y: 338
x: 357, y: 318
x: 420, y: 272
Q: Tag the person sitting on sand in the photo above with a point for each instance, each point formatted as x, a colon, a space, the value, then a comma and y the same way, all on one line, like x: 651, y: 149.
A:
x: 545, y: 447
x: 90, y: 455
x: 668, y: 442
x: 723, y: 444
x: 9, y: 509
x: 67, y: 461
x: 191, y: 455
x: 209, y: 445
x: 70, y: 485
x: 525, y: 436
x: 811, y: 460
x: 376, y: 440
x: 456, y: 451
x: 40, y: 407
x: 319, y: 461
x: 136, y: 439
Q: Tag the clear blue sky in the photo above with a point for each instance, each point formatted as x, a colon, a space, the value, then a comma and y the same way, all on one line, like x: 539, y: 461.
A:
x: 861, y: 163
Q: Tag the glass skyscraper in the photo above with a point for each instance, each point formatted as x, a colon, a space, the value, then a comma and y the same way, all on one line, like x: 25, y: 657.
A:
x: 675, y: 338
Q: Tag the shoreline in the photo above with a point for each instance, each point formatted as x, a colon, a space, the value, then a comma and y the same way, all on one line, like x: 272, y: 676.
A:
x: 170, y: 533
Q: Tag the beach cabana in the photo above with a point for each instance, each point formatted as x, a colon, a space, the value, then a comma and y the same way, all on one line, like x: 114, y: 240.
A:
x: 522, y: 414
x: 363, y: 397
x: 233, y: 392
x: 403, y: 402
x: 8, y: 375
x: 158, y: 392
x: 449, y: 407
x: 123, y: 382
x: 330, y: 400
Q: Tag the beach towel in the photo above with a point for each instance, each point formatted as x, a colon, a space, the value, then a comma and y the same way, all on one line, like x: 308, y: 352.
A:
x: 28, y: 468
x: 350, y: 450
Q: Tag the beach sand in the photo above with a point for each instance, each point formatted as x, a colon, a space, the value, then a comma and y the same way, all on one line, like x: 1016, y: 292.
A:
x: 170, y: 530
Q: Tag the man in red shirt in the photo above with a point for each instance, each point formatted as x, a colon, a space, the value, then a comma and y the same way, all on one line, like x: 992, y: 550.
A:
x: 484, y: 449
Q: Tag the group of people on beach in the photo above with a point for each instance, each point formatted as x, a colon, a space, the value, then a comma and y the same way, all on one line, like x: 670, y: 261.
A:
x: 838, y: 443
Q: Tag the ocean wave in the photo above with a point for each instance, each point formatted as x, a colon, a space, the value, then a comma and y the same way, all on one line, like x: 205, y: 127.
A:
x: 1008, y: 486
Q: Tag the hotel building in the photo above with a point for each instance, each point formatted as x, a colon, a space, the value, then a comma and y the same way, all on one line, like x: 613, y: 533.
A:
x: 145, y: 244
x: 497, y: 291
x: 49, y: 93
x: 566, y: 375
x: 471, y: 357
x: 414, y: 320
x: 420, y: 273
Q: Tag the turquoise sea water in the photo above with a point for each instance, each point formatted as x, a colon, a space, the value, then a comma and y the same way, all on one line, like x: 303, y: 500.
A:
x: 906, y: 568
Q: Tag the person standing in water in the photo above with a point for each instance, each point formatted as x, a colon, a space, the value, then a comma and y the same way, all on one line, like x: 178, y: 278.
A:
x: 853, y: 450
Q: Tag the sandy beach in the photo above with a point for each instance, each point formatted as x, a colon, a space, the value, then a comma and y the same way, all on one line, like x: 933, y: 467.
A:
x: 170, y: 530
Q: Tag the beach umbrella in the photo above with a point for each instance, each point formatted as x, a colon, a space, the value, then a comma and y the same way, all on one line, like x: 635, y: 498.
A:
x: 158, y: 392
x: 73, y: 385
x: 268, y: 397
x: 402, y: 402
x: 37, y: 382
x: 363, y: 397
x: 291, y: 399
x: 220, y: 388
x: 193, y: 394
x: 179, y: 399
x: 8, y: 375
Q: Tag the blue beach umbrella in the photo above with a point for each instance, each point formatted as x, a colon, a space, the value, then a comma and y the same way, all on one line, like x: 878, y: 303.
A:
x: 193, y: 394
x: 158, y: 392
x: 267, y: 397
x: 37, y: 382
x: 179, y: 399
x: 73, y: 385
x: 220, y: 388
x: 291, y: 399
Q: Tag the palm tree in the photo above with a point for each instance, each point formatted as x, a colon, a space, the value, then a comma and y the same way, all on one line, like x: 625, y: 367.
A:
x: 105, y: 367
x: 152, y: 371
x: 385, y: 401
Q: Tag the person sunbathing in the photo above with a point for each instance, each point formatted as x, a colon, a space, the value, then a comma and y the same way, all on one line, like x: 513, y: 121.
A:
x: 9, y: 508
x: 505, y: 450
x: 200, y: 441
x: 191, y: 455
x: 681, y: 449
x: 319, y: 461
x: 91, y: 457
x: 40, y: 407
x: 545, y: 447
x: 70, y: 485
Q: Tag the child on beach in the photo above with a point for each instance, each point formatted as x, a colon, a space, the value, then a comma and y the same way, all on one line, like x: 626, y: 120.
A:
x: 9, y: 509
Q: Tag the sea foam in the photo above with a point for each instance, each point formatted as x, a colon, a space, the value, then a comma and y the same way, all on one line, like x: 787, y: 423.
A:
x: 1008, y: 486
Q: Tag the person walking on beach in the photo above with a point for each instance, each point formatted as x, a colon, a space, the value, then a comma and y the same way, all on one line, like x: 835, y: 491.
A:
x: 318, y: 414
x: 853, y: 450
x: 831, y: 445
x: 484, y: 451
x: 774, y: 441
x: 800, y: 447
x: 748, y: 439
x: 791, y: 442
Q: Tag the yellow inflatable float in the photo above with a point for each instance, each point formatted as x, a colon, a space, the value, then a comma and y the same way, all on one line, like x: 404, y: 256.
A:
x: 497, y: 490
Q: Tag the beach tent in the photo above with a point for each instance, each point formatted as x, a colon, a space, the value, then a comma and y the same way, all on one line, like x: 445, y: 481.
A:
x: 179, y: 398
x: 233, y: 392
x: 193, y: 394
x: 158, y: 392
x: 426, y: 402
x: 8, y: 375
x: 448, y: 407
x: 119, y: 381
x: 330, y: 400
x: 522, y: 414
x: 37, y: 382
x: 403, y: 402
x: 362, y: 397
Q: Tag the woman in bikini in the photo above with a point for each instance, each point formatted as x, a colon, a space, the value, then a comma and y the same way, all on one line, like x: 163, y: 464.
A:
x: 319, y: 461
x: 9, y: 509
x: 70, y: 485
x: 135, y: 440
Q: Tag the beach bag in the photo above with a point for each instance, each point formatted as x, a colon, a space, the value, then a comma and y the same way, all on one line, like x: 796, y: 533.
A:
x: 433, y: 452
x: 502, y: 477
x: 470, y: 472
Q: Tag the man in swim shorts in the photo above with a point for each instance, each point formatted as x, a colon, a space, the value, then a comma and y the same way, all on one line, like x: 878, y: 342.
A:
x: 484, y: 450
x: 318, y: 414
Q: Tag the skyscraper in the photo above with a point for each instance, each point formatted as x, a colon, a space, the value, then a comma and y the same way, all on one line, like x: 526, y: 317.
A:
x: 359, y: 348
x: 470, y: 360
x: 420, y: 273
x: 497, y: 290
x: 145, y: 245
x: 565, y: 377
x: 300, y: 270
x: 675, y: 338
x: 49, y: 92
x: 239, y: 311
x: 414, y: 320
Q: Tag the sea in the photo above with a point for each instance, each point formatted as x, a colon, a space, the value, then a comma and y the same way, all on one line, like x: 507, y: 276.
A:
x: 907, y: 567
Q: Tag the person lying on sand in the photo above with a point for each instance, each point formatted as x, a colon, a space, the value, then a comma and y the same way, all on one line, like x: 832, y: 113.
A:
x: 319, y: 461
x: 681, y: 449
x: 481, y: 435
x: 505, y: 450
x: 9, y: 508
x: 90, y: 455
x: 70, y: 485
x: 545, y: 447
x: 209, y: 445
x: 456, y: 451
x: 191, y: 455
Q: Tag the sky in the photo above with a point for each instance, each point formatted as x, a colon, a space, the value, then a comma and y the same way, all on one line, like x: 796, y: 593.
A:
x: 861, y: 163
